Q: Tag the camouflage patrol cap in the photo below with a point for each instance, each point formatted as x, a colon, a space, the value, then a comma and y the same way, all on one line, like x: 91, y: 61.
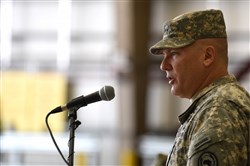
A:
x: 187, y: 28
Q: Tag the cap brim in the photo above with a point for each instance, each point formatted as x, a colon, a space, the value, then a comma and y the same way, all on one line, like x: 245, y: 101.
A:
x: 169, y: 43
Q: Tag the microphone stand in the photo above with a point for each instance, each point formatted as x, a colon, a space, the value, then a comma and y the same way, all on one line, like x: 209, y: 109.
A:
x: 73, y: 124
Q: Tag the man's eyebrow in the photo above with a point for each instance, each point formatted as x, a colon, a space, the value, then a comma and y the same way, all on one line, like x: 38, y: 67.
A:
x: 173, y: 49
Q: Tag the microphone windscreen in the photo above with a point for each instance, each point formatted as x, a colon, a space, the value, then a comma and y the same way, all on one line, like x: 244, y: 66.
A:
x: 107, y: 93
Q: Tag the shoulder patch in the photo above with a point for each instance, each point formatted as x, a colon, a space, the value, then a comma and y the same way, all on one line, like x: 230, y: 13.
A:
x: 207, y: 159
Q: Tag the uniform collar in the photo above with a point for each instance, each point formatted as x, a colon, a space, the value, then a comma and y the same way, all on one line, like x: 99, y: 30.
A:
x: 223, y: 80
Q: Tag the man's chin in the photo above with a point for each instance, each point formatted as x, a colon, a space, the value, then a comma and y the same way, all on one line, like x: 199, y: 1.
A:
x: 175, y: 92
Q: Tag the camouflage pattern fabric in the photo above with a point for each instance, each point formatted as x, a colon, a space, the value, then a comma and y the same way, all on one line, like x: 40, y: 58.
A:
x: 160, y: 160
x: 185, y: 29
x: 215, y: 128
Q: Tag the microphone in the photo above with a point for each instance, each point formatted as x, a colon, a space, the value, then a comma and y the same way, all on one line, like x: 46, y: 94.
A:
x: 106, y: 93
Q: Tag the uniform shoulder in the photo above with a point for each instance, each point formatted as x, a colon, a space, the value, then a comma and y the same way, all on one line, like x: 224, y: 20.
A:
x: 230, y: 93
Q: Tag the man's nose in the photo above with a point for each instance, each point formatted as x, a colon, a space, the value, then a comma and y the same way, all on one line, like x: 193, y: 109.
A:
x: 165, y: 64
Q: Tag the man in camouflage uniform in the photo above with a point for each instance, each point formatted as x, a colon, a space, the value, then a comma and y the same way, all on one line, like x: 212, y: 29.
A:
x: 215, y: 129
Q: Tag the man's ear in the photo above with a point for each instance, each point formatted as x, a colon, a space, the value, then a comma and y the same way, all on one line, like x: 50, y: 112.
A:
x: 209, y: 56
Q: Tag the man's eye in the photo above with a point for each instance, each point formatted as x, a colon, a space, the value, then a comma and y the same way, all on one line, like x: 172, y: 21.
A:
x: 174, y: 53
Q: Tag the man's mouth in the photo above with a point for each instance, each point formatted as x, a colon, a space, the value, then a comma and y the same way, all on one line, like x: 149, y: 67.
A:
x: 171, y: 80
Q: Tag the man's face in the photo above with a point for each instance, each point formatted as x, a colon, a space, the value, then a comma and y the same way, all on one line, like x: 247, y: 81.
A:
x: 184, y: 69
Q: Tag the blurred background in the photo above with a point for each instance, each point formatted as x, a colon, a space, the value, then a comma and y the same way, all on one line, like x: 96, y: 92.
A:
x: 54, y: 51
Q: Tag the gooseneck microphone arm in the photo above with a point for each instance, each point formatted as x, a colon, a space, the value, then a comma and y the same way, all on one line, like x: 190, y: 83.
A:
x: 73, y: 124
x: 106, y: 93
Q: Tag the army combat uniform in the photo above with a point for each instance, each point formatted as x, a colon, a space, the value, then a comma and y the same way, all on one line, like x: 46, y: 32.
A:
x: 215, y: 129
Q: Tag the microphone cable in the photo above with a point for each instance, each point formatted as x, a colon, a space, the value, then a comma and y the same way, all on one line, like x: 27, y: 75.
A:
x: 53, y: 139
